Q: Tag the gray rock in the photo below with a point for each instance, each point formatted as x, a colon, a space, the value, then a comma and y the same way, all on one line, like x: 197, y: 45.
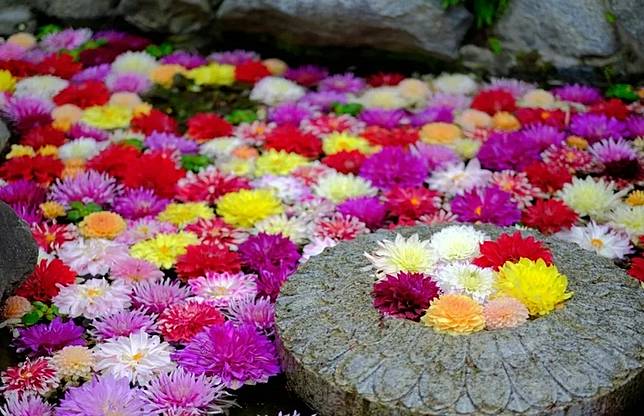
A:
x: 172, y: 16
x: 15, y: 17
x: 18, y: 250
x: 563, y: 31
x: 340, y: 356
x: 629, y: 16
x: 402, y: 26
x: 4, y: 135
x: 76, y: 9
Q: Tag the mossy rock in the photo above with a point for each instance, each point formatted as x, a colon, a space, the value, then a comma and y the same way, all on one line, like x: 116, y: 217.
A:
x: 343, y: 358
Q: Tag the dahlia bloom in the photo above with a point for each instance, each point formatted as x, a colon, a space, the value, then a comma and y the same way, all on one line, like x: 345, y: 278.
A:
x: 508, y: 151
x: 409, y: 255
x: 102, y: 394
x: 86, y: 187
x: 504, y: 312
x: 488, y: 205
x: 457, y: 243
x: 263, y: 251
x: 27, y: 112
x: 44, y: 339
x: 455, y: 179
x: 103, y: 224
x: 94, y: 298
x: 46, y: 280
x: 274, y: 90
x: 237, y: 355
x: 338, y: 188
x: 73, y: 363
x: 163, y: 250
x: 144, y: 229
x: 629, y: 219
x: 454, y: 315
x: 246, y: 207
x: 582, y: 94
x: 30, y: 376
x: 466, y: 279
x: 209, y: 185
x: 94, y: 256
x: 435, y: 156
x: 182, y: 321
x: 637, y: 269
x: 601, y: 239
x: 512, y: 248
x: 347, y: 83
x: 394, y: 166
x: 132, y: 270
x: 405, y: 295
x: 217, y: 233
x: 28, y: 405
x: 246, y: 310
x: 155, y: 297
x: 122, y: 324
x: 181, y: 214
x: 595, y: 127
x: 367, y: 209
x: 594, y: 198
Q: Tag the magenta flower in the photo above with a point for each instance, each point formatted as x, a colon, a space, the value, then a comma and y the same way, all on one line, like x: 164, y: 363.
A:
x: 289, y: 113
x: 595, y: 127
x: 128, y: 82
x: 93, y: 73
x: 394, y: 166
x: 138, y: 203
x: 65, y: 39
x: 265, y: 251
x: 89, y: 186
x: 79, y: 130
x: 435, y: 156
x: 578, y: 93
x: 324, y: 99
x: 250, y: 311
x: 123, y: 323
x: 406, y: 295
x: 23, y: 192
x: 185, y: 59
x: 236, y: 57
x: 367, y: 209
x: 502, y: 151
x: 29, y: 213
x: 635, y: 126
x: 432, y: 114
x: 102, y: 396
x: 488, y: 205
x: 44, y: 338
x: 235, y: 354
x: 171, y: 142
x: 543, y: 135
x: 306, y: 75
x: 25, y: 113
x: 342, y: 83
x: 382, y: 117
x: 27, y: 405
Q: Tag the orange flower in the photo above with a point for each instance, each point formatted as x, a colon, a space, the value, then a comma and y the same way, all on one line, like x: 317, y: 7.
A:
x: 51, y: 209
x: 15, y: 307
x: 66, y: 115
x: 454, y: 315
x: 505, y: 121
x: 440, y: 133
x: 504, y: 312
x: 73, y: 167
x: 164, y: 74
x: 102, y: 224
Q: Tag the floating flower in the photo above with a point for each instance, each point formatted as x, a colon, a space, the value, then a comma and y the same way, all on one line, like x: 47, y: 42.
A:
x: 44, y: 339
x: 410, y: 255
x: 246, y: 310
x: 275, y: 162
x: 338, y: 188
x: 28, y: 405
x: 94, y: 256
x: 591, y: 197
x: 92, y: 299
x: 457, y: 243
x: 467, y: 279
x: 185, y: 213
x: 455, y: 179
x: 73, y: 363
x: 549, y: 216
x: 504, y: 312
x: 405, y: 295
x: 394, y: 166
x: 122, y: 324
x: 629, y: 219
x: 488, y: 205
x: 154, y: 297
x: 107, y: 117
x: 86, y: 187
x: 102, y: 224
x: 600, y: 239
x: 454, y: 315
x: 512, y: 248
x: 163, y: 250
x: 101, y: 394
x: 182, y: 321
x: 246, y: 207
x: 31, y: 376
x: 46, y: 280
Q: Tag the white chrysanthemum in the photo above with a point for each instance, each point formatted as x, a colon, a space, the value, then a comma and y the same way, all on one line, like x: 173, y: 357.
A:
x: 287, y: 188
x: 93, y: 299
x: 137, y: 62
x: 455, y: 84
x: 119, y: 135
x: 274, y: 90
x: 538, y: 98
x: 458, y: 178
x: 403, y: 255
x: 466, y: 279
x: 414, y: 91
x: 84, y: 148
x: 92, y: 256
x: 457, y: 243
x: 595, y: 198
x: 139, y: 357
x: 316, y: 247
x: 295, y: 229
x: 338, y: 187
x: 628, y: 219
x: 220, y: 147
x: 41, y: 86
x: 600, y: 239
x: 382, y: 97
x: 73, y: 363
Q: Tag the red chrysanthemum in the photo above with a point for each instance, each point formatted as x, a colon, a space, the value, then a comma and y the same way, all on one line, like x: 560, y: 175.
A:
x: 154, y: 171
x: 155, y: 120
x: 60, y: 65
x: 345, y: 161
x: 209, y: 185
x: 554, y: 118
x: 339, y: 227
x: 42, y: 284
x: 29, y: 377
x: 290, y: 139
x: 549, y: 216
x: 637, y: 268
x: 18, y: 68
x: 205, y: 126
x: 182, y: 321
x: 84, y: 94
x: 51, y: 236
x: 493, y: 101
x: 251, y: 71
x: 329, y: 123
x: 385, y: 78
x: 511, y: 248
x: 202, y: 258
x: 611, y: 108
x: 42, y: 169
x: 216, y: 232
x: 406, y: 295
x: 115, y: 160
x: 548, y: 178
x: 412, y: 202
x: 398, y: 136
x: 43, y: 135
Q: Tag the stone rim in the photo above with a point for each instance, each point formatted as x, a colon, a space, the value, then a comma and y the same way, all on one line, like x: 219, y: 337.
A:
x: 581, y: 357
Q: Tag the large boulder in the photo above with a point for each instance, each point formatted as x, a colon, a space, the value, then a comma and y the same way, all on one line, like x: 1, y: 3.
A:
x: 73, y: 10
x: 629, y: 20
x: 15, y: 17
x: 402, y: 26
x: 4, y: 135
x: 18, y: 250
x: 170, y: 16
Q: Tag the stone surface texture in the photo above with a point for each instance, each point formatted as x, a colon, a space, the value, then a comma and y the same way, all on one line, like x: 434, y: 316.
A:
x: 15, y: 16
x: 18, y: 250
x: 4, y: 135
x: 172, y: 16
x: 341, y: 357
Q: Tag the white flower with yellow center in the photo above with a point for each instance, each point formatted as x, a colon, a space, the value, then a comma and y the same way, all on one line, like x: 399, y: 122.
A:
x: 466, y: 279
x: 73, y: 363
x: 383, y: 97
x: 137, y: 62
x: 458, y: 178
x: 457, y: 243
x: 600, y: 239
x: 338, y: 187
x: 274, y: 90
x: 93, y: 299
x: 410, y: 255
x: 590, y: 197
x: 83, y: 148
x: 296, y: 229
x: 138, y: 357
x: 629, y: 219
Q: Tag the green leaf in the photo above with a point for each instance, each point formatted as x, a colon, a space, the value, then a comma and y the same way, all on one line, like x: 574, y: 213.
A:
x: 31, y: 318
x: 485, y: 11
x: 241, y: 116
x: 78, y: 210
x: 39, y: 306
x: 133, y: 142
x: 159, y: 51
x: 623, y: 92
x: 194, y: 163
x: 352, y: 109
x: 610, y: 17
x: 449, y: 3
x: 495, y: 45
x: 48, y: 30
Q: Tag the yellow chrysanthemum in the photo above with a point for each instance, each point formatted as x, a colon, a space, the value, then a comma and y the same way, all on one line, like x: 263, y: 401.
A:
x: 538, y: 286
x: 183, y: 214
x: 577, y: 142
x: 635, y: 198
x: 246, y: 207
x: 48, y: 150
x: 411, y: 255
x: 440, y: 133
x: 163, y: 249
x: 213, y: 74
x: 337, y: 142
x: 505, y: 121
x: 18, y: 150
x: 51, y: 210
x: 466, y: 148
x: 73, y: 363
x: 7, y: 81
x: 102, y: 224
x: 454, y: 315
x: 275, y: 162
x: 107, y: 117
x: 629, y: 218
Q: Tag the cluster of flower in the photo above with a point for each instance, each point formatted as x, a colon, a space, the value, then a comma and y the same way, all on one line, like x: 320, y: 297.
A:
x: 164, y: 241
x: 461, y: 282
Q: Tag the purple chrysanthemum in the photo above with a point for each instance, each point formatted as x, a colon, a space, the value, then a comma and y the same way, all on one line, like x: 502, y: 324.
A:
x: 594, y: 127
x: 289, y: 113
x: 27, y: 405
x: 544, y: 136
x: 23, y: 192
x: 431, y: 115
x: 128, y: 82
x: 405, y: 295
x: 270, y: 280
x: 382, y: 117
x: 29, y: 213
x: 515, y: 87
x: 323, y: 99
x: 488, y: 205
x: 394, y: 166
x: 610, y: 150
x: 93, y: 73
x: 503, y: 151
x: 27, y: 112
x: 155, y: 297
x: 47, y: 338
x: 367, y: 209
x: 236, y: 57
x: 185, y: 59
x: 10, y: 51
x: 306, y: 75
x: 578, y: 93
x: 220, y: 289
x: 65, y: 39
x: 435, y: 156
x: 123, y: 323
x: 235, y: 354
x: 265, y: 251
x: 342, y: 83
x: 86, y: 187
x: 104, y: 395
x: 80, y: 130
x: 181, y: 393
x: 139, y: 203
x: 169, y: 141
x: 258, y: 312
x: 635, y: 126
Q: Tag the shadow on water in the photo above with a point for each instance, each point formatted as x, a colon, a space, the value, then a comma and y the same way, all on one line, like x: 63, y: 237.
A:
x: 268, y: 399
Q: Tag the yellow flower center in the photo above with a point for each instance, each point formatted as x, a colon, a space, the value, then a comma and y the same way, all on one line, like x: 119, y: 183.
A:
x: 471, y: 281
x: 597, y: 243
x: 92, y: 293
x: 414, y: 201
x: 478, y: 210
x: 50, y: 238
x: 138, y: 356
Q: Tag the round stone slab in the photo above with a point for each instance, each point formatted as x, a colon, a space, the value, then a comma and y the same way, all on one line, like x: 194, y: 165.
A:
x: 343, y: 358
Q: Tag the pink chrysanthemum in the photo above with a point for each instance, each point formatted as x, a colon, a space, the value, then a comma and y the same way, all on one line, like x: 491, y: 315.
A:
x: 220, y: 288
x: 330, y: 123
x: 79, y: 130
x: 610, y: 150
x: 339, y: 227
x: 516, y: 184
x: 235, y: 57
x: 155, y: 297
x: 258, y: 312
x: 578, y: 93
x: 217, y: 232
x: 208, y: 185
x: 504, y: 312
x: 90, y: 186
x: 255, y: 132
x: 139, y: 203
x: 128, y: 82
x: 27, y: 112
x: 132, y: 270
x: 143, y: 229
x: 30, y: 376
x: 27, y: 405
x: 440, y: 217
x: 574, y: 160
x: 182, y: 321
x: 122, y: 324
x: 65, y: 39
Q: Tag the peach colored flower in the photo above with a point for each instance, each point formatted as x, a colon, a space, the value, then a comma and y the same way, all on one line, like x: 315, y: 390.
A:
x: 102, y: 224
x: 504, y: 312
x: 15, y: 307
x: 440, y: 133
x: 164, y: 74
x: 454, y: 315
